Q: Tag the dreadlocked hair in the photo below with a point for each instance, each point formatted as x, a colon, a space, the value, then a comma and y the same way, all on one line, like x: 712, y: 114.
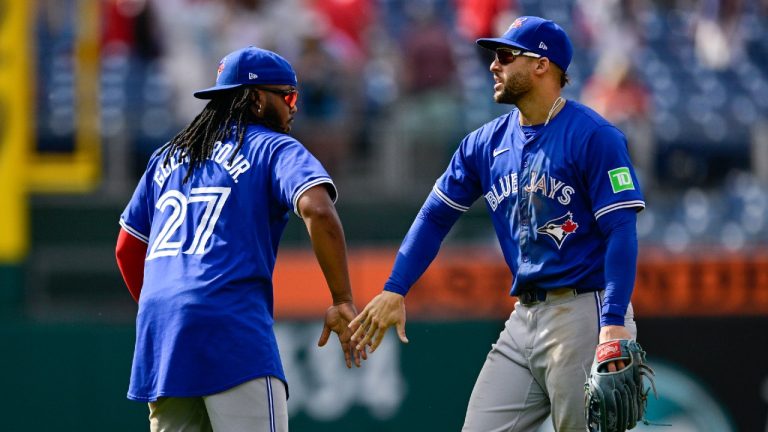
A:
x: 214, y: 123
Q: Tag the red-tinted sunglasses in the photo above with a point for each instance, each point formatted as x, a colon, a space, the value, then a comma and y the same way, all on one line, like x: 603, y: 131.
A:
x: 289, y: 96
x: 506, y: 56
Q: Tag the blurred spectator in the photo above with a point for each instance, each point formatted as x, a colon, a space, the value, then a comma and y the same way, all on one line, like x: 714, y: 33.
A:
x: 190, y: 31
x: 348, y: 23
x: 611, y: 26
x: 328, y: 95
x: 616, y: 93
x: 131, y: 25
x: 426, y: 50
x: 484, y: 18
x: 380, y: 80
x: 381, y: 72
x: 278, y: 25
x: 199, y: 32
x: 135, y: 105
x: 718, y: 35
x: 428, y: 113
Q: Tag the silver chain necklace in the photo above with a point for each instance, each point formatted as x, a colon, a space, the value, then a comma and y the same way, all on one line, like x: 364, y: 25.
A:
x: 559, y: 101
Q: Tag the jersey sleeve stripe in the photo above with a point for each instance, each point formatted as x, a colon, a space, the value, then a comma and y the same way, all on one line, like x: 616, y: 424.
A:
x: 134, y: 232
x: 620, y: 205
x: 449, y: 202
x: 307, y: 186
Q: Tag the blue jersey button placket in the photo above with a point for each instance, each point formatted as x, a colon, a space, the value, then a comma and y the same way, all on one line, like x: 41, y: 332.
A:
x: 524, y: 208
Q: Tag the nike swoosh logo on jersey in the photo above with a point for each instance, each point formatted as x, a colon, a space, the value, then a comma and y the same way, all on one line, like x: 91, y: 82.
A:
x: 499, y: 151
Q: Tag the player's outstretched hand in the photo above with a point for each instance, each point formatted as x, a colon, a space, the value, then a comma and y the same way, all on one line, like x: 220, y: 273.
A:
x: 384, y: 311
x: 337, y: 319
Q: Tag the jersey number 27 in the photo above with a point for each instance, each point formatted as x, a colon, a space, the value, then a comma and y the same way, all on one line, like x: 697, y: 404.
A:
x: 213, y: 197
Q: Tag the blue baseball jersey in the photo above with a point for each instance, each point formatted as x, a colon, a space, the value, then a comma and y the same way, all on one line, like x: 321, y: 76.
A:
x: 205, y: 316
x: 545, y: 188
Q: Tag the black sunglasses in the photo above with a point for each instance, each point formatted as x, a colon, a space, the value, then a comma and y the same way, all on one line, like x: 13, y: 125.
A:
x: 506, y: 56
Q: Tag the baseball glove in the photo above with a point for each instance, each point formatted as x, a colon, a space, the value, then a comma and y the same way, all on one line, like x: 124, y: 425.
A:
x: 616, y: 401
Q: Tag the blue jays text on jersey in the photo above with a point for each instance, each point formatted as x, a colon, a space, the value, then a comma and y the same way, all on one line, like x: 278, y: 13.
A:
x: 551, y: 188
x: 545, y: 187
x: 205, y: 320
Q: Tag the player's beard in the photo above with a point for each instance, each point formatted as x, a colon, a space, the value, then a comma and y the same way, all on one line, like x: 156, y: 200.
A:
x: 272, y: 120
x: 515, y: 87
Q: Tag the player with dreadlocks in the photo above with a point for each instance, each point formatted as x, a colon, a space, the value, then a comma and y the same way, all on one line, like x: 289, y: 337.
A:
x: 197, y: 249
x: 230, y: 109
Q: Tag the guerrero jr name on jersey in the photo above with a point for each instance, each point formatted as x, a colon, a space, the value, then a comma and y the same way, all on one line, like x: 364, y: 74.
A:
x: 221, y: 154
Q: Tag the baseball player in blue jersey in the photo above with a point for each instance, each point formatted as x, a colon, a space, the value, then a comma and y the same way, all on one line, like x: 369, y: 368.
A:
x: 562, y: 194
x: 197, y: 249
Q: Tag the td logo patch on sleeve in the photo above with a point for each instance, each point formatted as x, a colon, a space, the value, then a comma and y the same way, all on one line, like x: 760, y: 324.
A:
x: 621, y: 180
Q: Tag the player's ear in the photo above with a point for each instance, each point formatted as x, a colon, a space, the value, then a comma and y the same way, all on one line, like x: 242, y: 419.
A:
x: 254, y: 96
x: 542, y: 64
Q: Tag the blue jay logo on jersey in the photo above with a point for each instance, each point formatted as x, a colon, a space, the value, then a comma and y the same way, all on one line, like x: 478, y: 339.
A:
x: 560, y: 228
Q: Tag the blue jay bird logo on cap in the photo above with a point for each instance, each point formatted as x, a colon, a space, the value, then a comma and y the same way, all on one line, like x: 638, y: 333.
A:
x: 221, y: 67
x: 517, y: 23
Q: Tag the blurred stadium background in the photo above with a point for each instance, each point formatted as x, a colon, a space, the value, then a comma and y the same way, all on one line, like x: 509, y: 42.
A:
x: 90, y: 88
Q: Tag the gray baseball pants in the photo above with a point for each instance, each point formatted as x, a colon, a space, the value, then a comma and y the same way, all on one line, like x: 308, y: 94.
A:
x: 538, y: 366
x: 257, y: 405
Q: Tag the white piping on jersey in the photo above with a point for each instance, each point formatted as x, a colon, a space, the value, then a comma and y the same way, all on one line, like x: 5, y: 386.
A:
x: 308, y: 185
x: 449, y: 202
x: 619, y: 205
x: 132, y: 231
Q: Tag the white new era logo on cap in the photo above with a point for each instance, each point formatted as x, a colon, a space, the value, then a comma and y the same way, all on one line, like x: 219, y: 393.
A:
x: 542, y: 45
x: 252, y: 75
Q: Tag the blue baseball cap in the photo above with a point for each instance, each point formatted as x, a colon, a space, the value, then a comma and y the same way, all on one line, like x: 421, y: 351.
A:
x: 250, y: 66
x: 536, y: 35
